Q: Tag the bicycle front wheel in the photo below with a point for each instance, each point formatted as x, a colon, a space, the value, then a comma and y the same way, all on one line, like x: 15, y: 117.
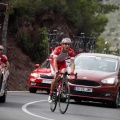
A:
x: 64, y: 97
x: 53, y: 104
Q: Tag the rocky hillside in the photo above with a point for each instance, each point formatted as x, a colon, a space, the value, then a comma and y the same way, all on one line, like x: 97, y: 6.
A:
x: 20, y: 64
x: 20, y: 67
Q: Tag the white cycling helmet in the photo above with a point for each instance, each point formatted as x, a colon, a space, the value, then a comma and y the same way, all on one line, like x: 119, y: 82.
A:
x: 1, y: 47
x: 66, y: 40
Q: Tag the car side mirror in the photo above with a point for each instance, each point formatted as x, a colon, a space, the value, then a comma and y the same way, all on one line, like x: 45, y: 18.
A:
x: 37, y: 65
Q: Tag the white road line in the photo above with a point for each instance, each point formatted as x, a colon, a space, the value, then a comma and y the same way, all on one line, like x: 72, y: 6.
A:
x: 24, y: 108
x: 17, y: 91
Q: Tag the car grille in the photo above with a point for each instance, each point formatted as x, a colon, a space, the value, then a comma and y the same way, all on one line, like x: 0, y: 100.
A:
x: 87, y: 94
x: 84, y: 82
x: 42, y: 84
x: 84, y: 93
x: 46, y: 76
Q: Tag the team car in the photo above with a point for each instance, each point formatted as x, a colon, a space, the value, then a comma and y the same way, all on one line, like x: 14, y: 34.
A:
x: 41, y: 77
x: 98, y: 78
x: 3, y: 82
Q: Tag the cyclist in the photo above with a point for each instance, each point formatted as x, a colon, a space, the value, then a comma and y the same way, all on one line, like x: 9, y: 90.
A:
x: 58, y: 62
x: 3, y: 58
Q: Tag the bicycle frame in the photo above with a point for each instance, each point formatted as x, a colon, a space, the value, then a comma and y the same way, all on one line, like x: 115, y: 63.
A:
x: 62, y: 94
x: 63, y: 78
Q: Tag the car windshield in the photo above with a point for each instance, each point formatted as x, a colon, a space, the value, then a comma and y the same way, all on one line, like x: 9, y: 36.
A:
x: 96, y: 63
x: 45, y: 64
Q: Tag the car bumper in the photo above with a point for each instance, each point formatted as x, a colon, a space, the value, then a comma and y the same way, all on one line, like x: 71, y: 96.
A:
x: 40, y: 84
x: 97, y: 94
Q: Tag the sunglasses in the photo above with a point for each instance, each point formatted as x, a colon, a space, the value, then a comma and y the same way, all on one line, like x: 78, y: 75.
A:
x: 1, y: 49
x: 66, y: 44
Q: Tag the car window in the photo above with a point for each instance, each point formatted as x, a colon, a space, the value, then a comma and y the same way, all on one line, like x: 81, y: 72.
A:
x: 96, y: 63
x: 45, y: 64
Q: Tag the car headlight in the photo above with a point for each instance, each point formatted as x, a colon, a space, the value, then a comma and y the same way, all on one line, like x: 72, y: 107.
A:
x: 35, y: 75
x: 108, y: 81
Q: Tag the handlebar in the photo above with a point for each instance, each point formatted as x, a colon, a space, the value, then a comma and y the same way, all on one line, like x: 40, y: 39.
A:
x: 66, y: 73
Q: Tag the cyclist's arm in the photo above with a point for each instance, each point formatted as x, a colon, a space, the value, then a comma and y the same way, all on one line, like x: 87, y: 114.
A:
x: 5, y: 60
x: 55, y: 64
x: 7, y: 65
x: 72, y: 65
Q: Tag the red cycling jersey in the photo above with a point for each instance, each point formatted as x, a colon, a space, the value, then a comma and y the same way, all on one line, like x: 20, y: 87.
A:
x: 61, y: 56
x: 3, y: 58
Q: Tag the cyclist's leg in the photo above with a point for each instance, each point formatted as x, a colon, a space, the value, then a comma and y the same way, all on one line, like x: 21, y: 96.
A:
x: 64, y: 97
x: 54, y: 81
x: 56, y: 76
x: 62, y: 67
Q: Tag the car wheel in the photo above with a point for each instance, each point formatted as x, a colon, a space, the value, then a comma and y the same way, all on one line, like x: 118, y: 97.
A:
x: 3, y: 98
x: 32, y: 90
x: 77, y: 100
x: 116, y: 102
x: 1, y: 79
x: 48, y: 91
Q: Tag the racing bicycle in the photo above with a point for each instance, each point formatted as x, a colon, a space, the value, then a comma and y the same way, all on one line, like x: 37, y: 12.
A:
x: 61, y: 94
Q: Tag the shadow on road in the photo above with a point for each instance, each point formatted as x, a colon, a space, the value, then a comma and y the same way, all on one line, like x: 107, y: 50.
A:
x: 93, y: 104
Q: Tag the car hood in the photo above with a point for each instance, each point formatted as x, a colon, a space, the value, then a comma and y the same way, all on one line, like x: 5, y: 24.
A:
x: 94, y: 75
x: 42, y: 70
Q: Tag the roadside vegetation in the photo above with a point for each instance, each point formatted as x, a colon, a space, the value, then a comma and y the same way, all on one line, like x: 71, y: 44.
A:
x: 87, y: 16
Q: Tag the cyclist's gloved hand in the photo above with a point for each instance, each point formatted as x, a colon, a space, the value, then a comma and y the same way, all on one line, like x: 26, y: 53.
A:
x: 71, y: 73
x: 57, y: 72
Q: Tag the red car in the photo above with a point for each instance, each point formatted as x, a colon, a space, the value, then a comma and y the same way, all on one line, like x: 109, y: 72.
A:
x: 41, y: 77
x: 98, y: 78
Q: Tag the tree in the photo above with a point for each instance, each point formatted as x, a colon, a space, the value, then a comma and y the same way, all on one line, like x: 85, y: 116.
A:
x: 102, y: 45
x: 87, y: 16
x: 5, y: 12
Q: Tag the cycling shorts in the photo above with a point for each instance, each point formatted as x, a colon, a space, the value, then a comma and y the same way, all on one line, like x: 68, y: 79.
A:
x: 61, y: 65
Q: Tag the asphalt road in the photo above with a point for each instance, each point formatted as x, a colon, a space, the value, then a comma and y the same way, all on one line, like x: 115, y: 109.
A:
x: 27, y: 106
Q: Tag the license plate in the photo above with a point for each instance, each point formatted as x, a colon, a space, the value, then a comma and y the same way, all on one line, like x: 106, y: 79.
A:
x: 47, y: 81
x: 83, y: 89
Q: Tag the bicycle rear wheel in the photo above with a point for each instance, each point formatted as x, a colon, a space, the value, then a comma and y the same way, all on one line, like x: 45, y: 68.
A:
x: 54, y: 101
x: 64, y: 97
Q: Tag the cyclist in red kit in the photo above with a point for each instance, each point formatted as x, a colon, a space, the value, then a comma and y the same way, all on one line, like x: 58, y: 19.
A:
x: 58, y: 62
x: 3, y: 58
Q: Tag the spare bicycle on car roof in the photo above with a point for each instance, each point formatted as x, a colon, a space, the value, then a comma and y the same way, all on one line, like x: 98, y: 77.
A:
x: 83, y: 44
x: 53, y: 40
